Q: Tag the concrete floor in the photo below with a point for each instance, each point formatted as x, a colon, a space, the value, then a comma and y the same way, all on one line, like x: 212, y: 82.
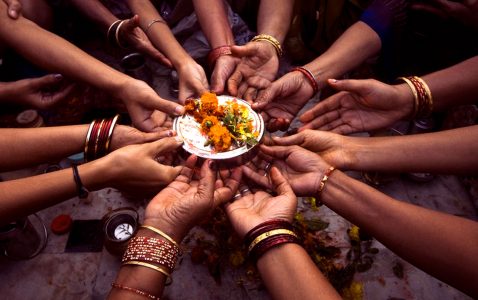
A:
x: 56, y: 274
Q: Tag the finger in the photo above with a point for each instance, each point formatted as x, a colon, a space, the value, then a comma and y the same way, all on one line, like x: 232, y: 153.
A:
x: 205, y: 188
x: 255, y: 177
x: 231, y: 186
x: 63, y: 93
x: 250, y: 94
x: 242, y: 90
x: 281, y: 186
x: 330, y: 104
x: 47, y: 80
x: 154, y: 136
x: 278, y: 152
x: 234, y: 81
x: 164, y: 145
x: 187, y: 171
x: 266, y: 96
x: 296, y: 139
x: 349, y: 85
x: 14, y: 8
x: 342, y: 129
x: 323, y: 121
x: 278, y: 124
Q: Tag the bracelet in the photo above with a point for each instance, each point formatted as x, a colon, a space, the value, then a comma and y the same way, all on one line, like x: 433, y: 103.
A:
x: 310, y: 77
x: 152, y: 22
x: 117, y: 35
x: 110, y: 133
x: 324, y: 179
x: 215, y: 53
x: 423, y: 100
x: 152, y: 267
x: 161, y: 233
x: 268, y: 234
x: 81, y: 190
x: 139, y: 292
x: 98, y: 138
x: 264, y: 227
x: 270, y: 39
x: 111, y: 27
x: 151, y: 250
x: 110, y: 36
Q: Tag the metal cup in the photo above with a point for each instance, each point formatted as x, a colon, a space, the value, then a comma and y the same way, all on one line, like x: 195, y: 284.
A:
x: 119, y: 226
x: 134, y: 65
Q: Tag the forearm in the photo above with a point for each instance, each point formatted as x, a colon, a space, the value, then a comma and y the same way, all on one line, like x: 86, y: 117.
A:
x: 354, y: 47
x: 56, y: 54
x: 212, y: 16
x: 274, y: 18
x: 96, y: 12
x: 446, y: 152
x: 454, y: 86
x: 443, y: 245
x: 7, y: 91
x: 20, y: 148
x: 287, y: 269
x: 22, y: 197
x: 159, y: 32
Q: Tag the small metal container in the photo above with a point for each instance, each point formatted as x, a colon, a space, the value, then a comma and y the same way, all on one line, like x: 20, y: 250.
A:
x: 134, y: 65
x: 194, y: 140
x: 119, y: 226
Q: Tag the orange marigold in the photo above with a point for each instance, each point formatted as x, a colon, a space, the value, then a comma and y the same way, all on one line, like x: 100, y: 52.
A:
x: 220, y: 137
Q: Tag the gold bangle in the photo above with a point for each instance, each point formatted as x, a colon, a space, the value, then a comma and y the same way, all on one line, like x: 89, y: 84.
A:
x: 415, y: 95
x: 98, y: 136
x: 267, y: 234
x: 324, y: 179
x: 152, y: 23
x: 161, y: 233
x: 110, y: 133
x: 88, y: 137
x: 272, y: 40
x: 151, y: 266
x: 429, y: 99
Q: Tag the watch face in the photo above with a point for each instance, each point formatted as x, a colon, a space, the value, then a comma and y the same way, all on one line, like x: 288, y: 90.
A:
x: 123, y: 231
x: 230, y: 130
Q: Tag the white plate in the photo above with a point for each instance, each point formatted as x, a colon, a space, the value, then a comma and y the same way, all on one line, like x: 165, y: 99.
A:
x: 190, y: 131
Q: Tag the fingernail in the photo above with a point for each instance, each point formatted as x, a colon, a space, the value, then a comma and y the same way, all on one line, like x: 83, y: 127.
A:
x: 333, y: 80
x: 179, y: 110
x: 212, y: 165
x: 171, y: 133
x: 13, y: 13
x: 178, y: 139
x: 58, y: 77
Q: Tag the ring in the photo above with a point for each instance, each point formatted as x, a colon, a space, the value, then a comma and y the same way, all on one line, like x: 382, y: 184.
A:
x: 246, y: 190
x: 267, y: 168
x: 236, y: 196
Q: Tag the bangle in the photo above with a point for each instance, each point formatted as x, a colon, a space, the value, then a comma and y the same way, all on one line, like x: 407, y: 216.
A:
x: 310, y: 77
x: 270, y: 39
x: 114, y: 24
x: 268, y: 234
x: 161, y: 233
x: 324, y: 179
x: 81, y: 190
x: 117, y: 35
x: 151, y: 250
x: 425, y: 99
x: 215, y: 53
x: 152, y: 22
x: 152, y: 267
x: 415, y: 95
x: 110, y: 133
x: 139, y: 292
x: 98, y: 138
x: 110, y: 34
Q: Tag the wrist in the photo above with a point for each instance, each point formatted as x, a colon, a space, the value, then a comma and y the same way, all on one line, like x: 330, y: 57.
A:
x: 175, y: 232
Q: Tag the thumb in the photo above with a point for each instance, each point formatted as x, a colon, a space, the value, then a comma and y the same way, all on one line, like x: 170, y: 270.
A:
x: 165, y: 145
x: 281, y: 186
x: 46, y: 80
x: 348, y: 85
x: 131, y: 23
x: 249, y: 49
x: 14, y: 8
x: 206, y: 182
x: 296, y: 139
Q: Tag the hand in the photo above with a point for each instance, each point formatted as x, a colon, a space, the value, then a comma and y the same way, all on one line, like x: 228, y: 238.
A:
x: 223, y: 69
x: 283, y: 100
x: 335, y: 149
x: 253, y: 209
x: 42, y: 93
x: 364, y: 105
x: 184, y: 202
x: 302, y: 168
x: 148, y: 111
x: 192, y: 81
x: 259, y: 61
x: 135, y: 37
x: 464, y: 11
x: 126, y: 135
x: 134, y: 168
x: 14, y: 8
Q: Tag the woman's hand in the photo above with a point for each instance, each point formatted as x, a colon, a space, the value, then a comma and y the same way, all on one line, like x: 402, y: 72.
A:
x: 135, y: 168
x: 185, y: 202
x: 303, y: 169
x: 42, y: 92
x: 253, y: 209
x: 259, y: 61
x: 363, y: 105
x: 192, y: 81
x: 223, y: 69
x: 135, y: 38
x: 126, y: 135
x: 337, y: 150
x: 282, y: 101
x: 147, y: 109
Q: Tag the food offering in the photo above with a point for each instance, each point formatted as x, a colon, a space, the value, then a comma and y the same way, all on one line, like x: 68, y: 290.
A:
x: 219, y: 127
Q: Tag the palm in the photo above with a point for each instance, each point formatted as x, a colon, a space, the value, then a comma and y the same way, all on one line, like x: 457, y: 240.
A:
x: 192, y: 82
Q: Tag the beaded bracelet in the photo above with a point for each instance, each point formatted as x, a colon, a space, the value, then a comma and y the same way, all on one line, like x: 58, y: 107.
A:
x: 270, y: 39
x: 310, y: 77
x: 139, y: 292
x: 215, y: 53
x: 153, y: 250
x: 98, y: 138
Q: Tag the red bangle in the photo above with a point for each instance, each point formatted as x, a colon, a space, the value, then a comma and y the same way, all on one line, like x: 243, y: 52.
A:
x: 264, y: 227
x: 215, y: 53
x: 308, y: 74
